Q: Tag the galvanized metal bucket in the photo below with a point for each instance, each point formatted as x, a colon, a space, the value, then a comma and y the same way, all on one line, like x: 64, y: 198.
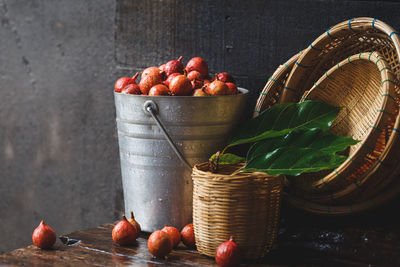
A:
x: 160, y: 139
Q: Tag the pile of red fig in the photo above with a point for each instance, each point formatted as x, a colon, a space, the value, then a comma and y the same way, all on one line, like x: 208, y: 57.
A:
x: 161, y: 242
x: 126, y: 231
x: 173, y: 79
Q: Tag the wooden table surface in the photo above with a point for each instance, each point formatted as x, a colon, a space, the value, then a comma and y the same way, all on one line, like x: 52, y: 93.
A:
x: 369, y: 240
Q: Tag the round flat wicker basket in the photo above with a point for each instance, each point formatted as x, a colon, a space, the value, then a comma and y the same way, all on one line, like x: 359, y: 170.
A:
x: 377, y: 182
x: 273, y: 89
x: 338, y: 43
x: 239, y: 204
x: 363, y: 85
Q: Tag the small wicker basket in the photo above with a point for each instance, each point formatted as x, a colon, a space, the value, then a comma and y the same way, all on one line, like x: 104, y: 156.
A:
x: 245, y: 205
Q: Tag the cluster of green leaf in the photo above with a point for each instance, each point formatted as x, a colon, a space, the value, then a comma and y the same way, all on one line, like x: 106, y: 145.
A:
x: 291, y: 139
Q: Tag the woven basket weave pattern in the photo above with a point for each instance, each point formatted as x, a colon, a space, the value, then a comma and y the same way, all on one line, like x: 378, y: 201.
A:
x: 375, y: 181
x: 244, y: 205
x: 338, y: 43
x: 367, y: 115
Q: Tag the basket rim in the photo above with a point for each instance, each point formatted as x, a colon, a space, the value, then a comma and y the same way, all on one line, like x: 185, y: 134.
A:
x: 197, y: 172
x: 276, y: 77
x: 379, y: 121
x: 388, y: 154
x: 352, y: 25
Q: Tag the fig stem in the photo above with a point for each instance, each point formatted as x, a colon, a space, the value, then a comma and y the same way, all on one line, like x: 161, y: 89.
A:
x: 134, y: 77
x: 132, y: 217
x: 180, y: 58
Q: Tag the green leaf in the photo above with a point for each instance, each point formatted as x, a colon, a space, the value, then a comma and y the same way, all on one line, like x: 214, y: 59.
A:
x: 228, y: 158
x: 281, y: 119
x: 294, y: 161
x: 315, y: 138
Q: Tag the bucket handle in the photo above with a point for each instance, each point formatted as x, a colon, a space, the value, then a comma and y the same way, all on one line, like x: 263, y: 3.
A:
x: 151, y: 107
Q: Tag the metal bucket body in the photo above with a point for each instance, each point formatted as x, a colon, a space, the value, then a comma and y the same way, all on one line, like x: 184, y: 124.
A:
x: 157, y: 185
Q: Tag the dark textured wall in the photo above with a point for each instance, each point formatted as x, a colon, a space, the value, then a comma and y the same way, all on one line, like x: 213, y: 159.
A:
x: 58, y: 148
x: 59, y: 60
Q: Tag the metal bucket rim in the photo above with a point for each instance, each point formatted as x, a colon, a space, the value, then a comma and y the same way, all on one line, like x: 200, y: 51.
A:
x: 241, y: 89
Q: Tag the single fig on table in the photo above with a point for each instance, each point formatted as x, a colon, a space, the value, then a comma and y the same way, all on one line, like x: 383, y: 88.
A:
x: 135, y: 223
x: 198, y: 64
x: 44, y: 236
x: 180, y: 85
x: 159, y: 244
x: 148, y: 81
x: 159, y: 89
x: 199, y: 92
x: 173, y: 233
x: 173, y: 66
x: 170, y: 77
x: 187, y: 236
x: 124, y: 233
x: 225, y: 77
x: 228, y: 254
x: 217, y: 88
x: 194, y: 74
x: 131, y: 89
x: 122, y: 82
x: 232, y: 89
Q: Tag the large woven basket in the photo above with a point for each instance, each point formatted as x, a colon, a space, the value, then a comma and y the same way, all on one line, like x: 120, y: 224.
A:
x: 380, y: 181
x: 273, y: 89
x: 363, y: 85
x: 338, y: 43
x: 239, y: 204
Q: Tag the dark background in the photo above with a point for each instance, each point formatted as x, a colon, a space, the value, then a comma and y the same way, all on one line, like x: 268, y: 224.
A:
x: 59, y: 60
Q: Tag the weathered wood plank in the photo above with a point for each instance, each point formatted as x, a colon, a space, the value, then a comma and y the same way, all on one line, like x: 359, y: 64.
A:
x: 310, y: 241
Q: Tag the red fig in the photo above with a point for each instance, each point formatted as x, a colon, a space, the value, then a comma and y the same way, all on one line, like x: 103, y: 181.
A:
x: 180, y: 85
x: 131, y: 89
x: 159, y: 243
x: 123, y: 82
x: 187, y: 235
x: 228, y: 254
x: 232, y: 89
x: 199, y: 92
x: 162, y: 67
x: 148, y: 81
x: 217, y: 88
x: 152, y: 71
x: 194, y: 74
x: 173, y: 234
x: 225, y: 77
x: 159, y: 89
x: 44, y: 236
x: 173, y: 66
x: 170, y: 77
x: 199, y: 64
x: 135, y: 223
x: 124, y: 233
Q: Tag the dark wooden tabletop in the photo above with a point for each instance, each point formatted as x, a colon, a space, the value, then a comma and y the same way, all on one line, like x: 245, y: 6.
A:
x: 364, y: 240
